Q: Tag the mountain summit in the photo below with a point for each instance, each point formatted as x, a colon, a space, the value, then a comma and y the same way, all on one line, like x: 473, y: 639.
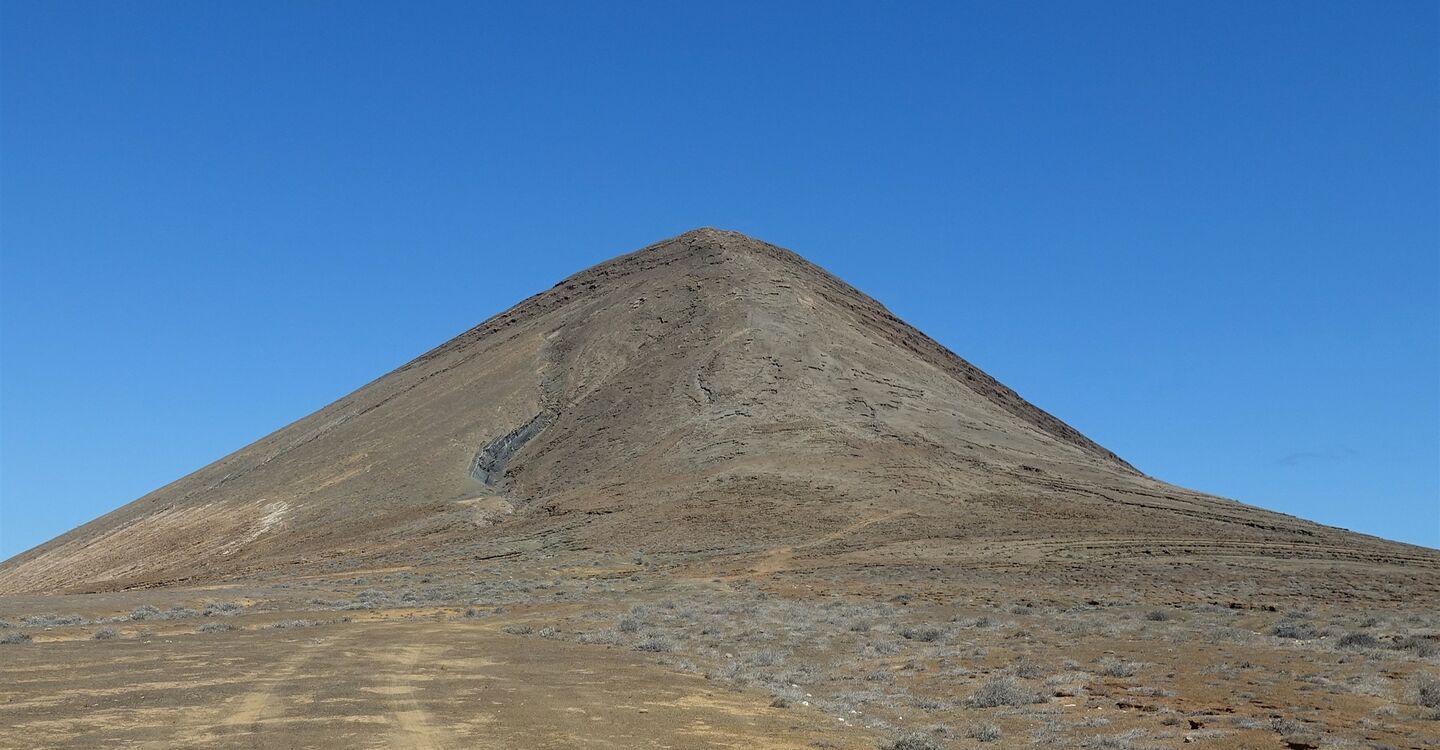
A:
x: 712, y: 400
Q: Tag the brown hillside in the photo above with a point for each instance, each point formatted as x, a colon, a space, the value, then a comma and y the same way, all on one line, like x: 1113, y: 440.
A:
x: 724, y: 403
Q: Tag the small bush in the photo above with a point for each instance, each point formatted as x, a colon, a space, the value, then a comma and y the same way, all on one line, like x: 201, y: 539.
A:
x: 216, y: 627
x: 922, y: 634
x: 655, y: 644
x: 222, y: 609
x: 1158, y: 615
x: 1357, y: 641
x: 1003, y: 690
x: 518, y: 629
x: 1114, y: 667
x: 104, y: 634
x: 1286, y: 727
x: 1296, y: 629
x: 145, y: 612
x: 1425, y: 690
x: 913, y: 741
x: 50, y: 621
x: 15, y: 638
x: 603, y: 637
x: 1068, y: 684
x: 284, y: 624
x: 983, y: 732
x: 731, y: 672
x: 1119, y: 741
x: 767, y: 658
x: 1026, y: 669
x: 628, y: 625
x: 1419, y: 646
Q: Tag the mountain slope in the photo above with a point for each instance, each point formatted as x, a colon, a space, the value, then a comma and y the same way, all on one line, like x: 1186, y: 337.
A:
x: 720, y: 403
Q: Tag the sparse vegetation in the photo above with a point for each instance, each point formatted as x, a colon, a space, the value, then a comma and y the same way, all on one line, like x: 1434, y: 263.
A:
x: 1026, y: 669
x: 1068, y: 683
x: 925, y: 634
x: 1357, y: 641
x: 603, y: 637
x: 104, y: 634
x: 1003, y: 690
x: 52, y: 621
x: 1112, y: 666
x: 284, y: 624
x: 145, y: 612
x: 1121, y: 741
x: 893, y: 668
x: 913, y: 741
x: 1418, y: 646
x: 222, y: 609
x: 655, y: 644
x: 14, y: 638
x: 983, y: 732
x: 1295, y: 625
x: 1425, y: 690
x: 766, y: 658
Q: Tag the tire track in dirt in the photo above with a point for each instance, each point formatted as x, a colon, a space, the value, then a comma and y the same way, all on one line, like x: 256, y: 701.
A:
x: 414, y: 728
x: 259, y: 705
x: 780, y: 558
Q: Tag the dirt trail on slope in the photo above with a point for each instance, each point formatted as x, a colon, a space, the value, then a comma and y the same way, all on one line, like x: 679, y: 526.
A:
x: 780, y: 559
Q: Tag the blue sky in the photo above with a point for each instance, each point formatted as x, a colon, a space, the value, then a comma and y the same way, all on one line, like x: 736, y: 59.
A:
x: 1205, y: 234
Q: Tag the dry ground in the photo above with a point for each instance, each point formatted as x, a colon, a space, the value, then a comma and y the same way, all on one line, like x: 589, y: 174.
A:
x: 631, y: 654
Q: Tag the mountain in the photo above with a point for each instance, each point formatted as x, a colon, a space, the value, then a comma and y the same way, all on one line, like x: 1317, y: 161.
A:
x: 719, y: 405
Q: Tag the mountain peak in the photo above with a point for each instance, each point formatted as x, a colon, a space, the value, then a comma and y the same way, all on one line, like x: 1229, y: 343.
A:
x: 700, y: 241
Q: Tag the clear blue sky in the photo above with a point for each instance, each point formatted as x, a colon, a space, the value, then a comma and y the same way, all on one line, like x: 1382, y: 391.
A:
x: 1205, y: 234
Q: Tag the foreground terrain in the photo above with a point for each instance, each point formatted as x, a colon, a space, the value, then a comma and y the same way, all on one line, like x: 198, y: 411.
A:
x: 639, y: 655
x: 707, y: 495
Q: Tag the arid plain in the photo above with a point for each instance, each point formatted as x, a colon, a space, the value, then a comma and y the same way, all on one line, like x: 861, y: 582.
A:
x: 707, y: 495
